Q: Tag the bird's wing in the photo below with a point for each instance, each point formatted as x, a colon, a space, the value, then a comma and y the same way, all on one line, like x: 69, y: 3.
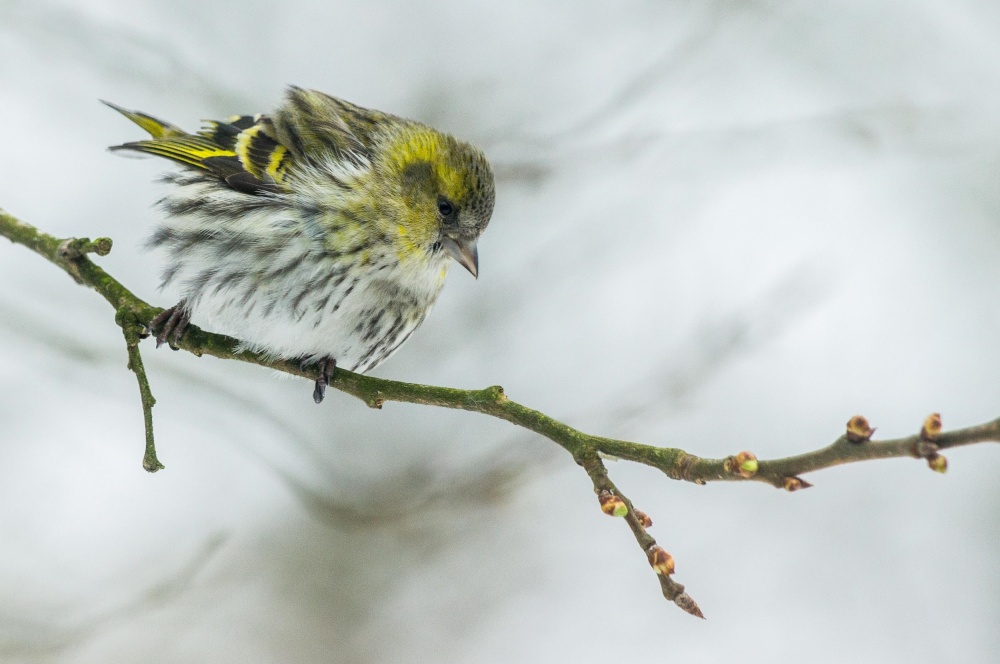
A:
x: 241, y: 150
x: 316, y: 127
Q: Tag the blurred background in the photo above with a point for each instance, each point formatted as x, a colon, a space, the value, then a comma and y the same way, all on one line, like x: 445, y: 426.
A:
x: 720, y: 226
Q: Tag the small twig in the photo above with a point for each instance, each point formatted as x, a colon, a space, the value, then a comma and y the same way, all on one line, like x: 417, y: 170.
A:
x: 73, y: 248
x: 671, y: 589
x: 133, y: 334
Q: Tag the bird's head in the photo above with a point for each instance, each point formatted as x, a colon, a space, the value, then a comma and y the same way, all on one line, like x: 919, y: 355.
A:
x: 448, y: 192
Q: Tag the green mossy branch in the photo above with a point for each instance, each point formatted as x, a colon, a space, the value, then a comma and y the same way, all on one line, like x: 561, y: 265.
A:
x: 134, y: 332
x: 133, y: 315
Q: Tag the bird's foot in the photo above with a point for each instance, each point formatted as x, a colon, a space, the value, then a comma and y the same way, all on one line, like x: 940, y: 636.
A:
x: 169, y: 325
x: 326, y: 368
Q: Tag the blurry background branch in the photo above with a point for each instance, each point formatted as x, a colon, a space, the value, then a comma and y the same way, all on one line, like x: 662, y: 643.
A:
x: 133, y: 315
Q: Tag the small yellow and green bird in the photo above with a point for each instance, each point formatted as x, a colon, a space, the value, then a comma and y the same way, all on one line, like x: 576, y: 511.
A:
x: 321, y: 232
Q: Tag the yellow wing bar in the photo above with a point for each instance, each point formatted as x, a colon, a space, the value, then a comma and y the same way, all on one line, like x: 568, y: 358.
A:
x: 240, y: 150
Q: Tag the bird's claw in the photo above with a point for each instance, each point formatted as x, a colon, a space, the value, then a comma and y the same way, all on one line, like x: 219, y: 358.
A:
x: 170, y: 324
x: 326, y: 368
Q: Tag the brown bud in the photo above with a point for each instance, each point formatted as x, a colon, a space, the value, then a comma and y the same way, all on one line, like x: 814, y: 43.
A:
x: 858, y: 429
x: 685, y: 602
x: 937, y: 463
x: 746, y: 464
x: 611, y: 504
x: 661, y: 561
x: 743, y: 464
x: 795, y: 483
x: 932, y: 427
x: 643, y: 518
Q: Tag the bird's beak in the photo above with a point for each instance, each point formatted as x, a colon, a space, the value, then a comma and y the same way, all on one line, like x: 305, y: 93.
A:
x: 465, y: 252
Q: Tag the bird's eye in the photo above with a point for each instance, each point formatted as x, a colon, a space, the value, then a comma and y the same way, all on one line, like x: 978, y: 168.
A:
x: 446, y: 208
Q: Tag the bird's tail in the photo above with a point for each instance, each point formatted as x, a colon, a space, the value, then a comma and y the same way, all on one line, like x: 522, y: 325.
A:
x: 156, y: 128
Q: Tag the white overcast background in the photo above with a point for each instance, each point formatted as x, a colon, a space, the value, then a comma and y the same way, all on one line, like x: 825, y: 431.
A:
x: 719, y: 226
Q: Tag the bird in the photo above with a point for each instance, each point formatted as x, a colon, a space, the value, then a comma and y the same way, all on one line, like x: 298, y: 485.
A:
x: 321, y: 232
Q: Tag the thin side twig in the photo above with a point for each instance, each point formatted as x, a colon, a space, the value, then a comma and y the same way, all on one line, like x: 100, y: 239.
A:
x: 133, y: 334
x: 672, y: 590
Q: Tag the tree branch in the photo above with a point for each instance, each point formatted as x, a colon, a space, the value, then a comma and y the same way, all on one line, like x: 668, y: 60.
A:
x: 133, y: 315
